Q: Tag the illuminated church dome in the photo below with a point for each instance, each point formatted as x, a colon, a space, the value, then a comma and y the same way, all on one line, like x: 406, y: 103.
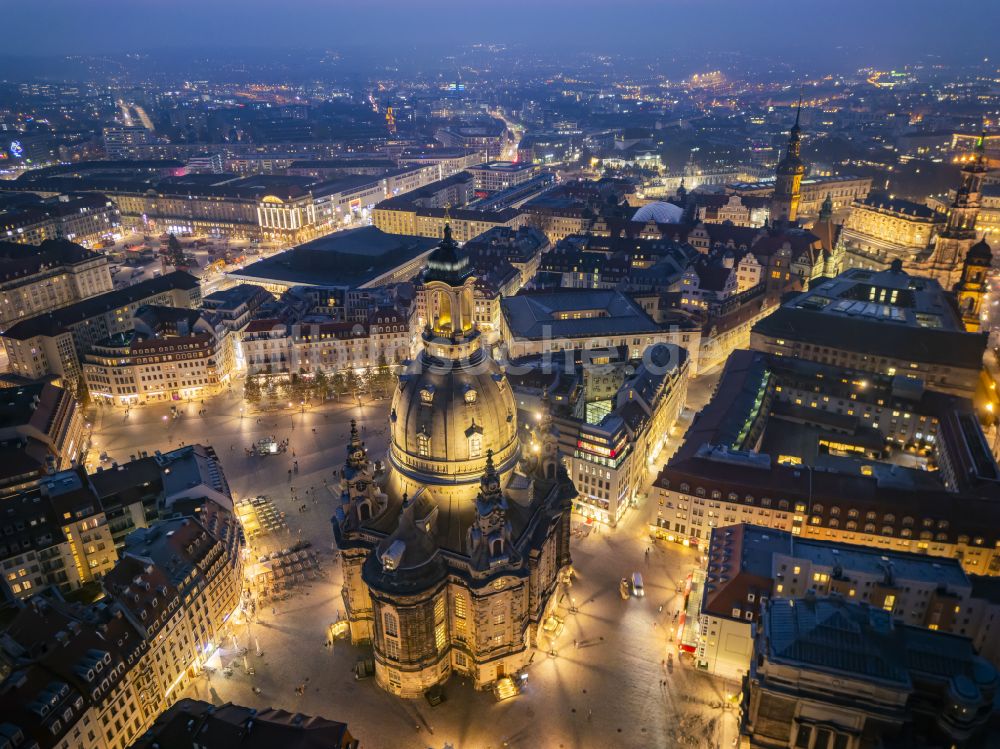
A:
x: 453, y: 403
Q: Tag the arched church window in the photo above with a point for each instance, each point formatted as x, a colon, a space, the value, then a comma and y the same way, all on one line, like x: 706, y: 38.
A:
x: 475, y: 445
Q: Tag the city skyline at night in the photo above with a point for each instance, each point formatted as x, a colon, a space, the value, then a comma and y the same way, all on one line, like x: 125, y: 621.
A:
x: 464, y: 376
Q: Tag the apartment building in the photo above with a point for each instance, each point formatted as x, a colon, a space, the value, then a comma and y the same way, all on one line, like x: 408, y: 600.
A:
x: 748, y: 565
x: 315, y: 343
x: 57, y: 273
x: 55, y: 343
x: 169, y: 354
x: 97, y: 676
x: 613, y: 420
x: 88, y: 219
x: 826, y: 453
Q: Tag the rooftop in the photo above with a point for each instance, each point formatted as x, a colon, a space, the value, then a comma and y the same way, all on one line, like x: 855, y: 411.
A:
x: 574, y: 313
x: 193, y: 724
x: 889, y: 313
x: 61, y: 319
x: 349, y: 258
x: 840, y: 638
x: 743, y: 558
x: 18, y: 260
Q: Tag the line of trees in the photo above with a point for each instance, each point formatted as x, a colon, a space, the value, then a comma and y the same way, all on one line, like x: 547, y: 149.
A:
x: 375, y: 381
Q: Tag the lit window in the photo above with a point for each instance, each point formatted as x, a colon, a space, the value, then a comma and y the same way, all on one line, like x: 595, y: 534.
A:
x: 391, y: 624
x: 475, y: 445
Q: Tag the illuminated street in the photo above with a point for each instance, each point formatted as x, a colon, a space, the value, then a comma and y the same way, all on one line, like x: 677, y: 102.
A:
x: 607, y: 643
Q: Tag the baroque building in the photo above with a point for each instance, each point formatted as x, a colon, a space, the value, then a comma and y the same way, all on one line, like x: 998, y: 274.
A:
x: 453, y: 547
x: 957, y: 237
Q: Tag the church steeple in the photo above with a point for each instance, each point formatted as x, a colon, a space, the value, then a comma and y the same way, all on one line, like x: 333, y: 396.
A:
x: 788, y: 177
x: 826, y: 210
x: 971, y: 289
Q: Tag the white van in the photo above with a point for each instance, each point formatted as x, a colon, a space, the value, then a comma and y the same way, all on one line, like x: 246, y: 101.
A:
x: 637, y: 590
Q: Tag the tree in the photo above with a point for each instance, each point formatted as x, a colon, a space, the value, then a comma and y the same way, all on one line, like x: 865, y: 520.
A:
x: 383, y: 377
x: 338, y: 383
x: 175, y: 252
x: 352, y: 383
x: 82, y: 392
x: 251, y: 390
x: 297, y: 388
x: 321, y: 385
x: 271, y: 390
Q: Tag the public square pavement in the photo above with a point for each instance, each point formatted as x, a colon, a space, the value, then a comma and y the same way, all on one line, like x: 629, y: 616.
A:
x: 607, y: 683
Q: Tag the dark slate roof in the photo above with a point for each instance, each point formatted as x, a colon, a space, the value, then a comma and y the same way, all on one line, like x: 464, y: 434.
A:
x: 532, y: 315
x: 18, y: 260
x: 898, y: 205
x: 876, y: 337
x: 54, y: 322
x: 346, y: 258
x: 832, y: 635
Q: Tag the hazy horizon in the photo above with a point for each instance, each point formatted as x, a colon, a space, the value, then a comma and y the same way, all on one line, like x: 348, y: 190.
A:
x: 842, y: 35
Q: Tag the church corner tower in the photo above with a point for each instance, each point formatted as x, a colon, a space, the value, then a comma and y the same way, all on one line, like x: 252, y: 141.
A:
x: 971, y: 289
x: 788, y: 178
x: 453, y: 550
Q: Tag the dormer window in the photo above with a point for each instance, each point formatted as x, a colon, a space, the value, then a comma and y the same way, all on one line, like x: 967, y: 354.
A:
x: 427, y: 395
x: 475, y: 445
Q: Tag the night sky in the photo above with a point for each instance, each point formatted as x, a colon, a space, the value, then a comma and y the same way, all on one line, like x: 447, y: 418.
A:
x: 842, y: 33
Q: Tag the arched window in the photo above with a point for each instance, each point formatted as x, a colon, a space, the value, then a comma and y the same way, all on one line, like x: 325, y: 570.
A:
x: 423, y: 445
x: 834, y: 523
x: 818, y: 509
x: 907, y: 521
x: 890, y: 518
x: 851, y: 525
x: 685, y: 488
x: 716, y: 494
x: 391, y: 624
x: 886, y: 530
x: 869, y: 527
x: 700, y: 491
x: 475, y: 445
